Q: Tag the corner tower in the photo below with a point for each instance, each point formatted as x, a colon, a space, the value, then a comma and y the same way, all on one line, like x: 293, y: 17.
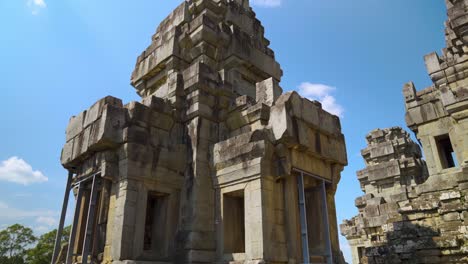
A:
x: 439, y: 114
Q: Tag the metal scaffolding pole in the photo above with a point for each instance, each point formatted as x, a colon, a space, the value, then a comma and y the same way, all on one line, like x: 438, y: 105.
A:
x: 76, y: 215
x: 326, y: 223
x: 90, y: 221
x: 303, y: 216
x: 58, y: 237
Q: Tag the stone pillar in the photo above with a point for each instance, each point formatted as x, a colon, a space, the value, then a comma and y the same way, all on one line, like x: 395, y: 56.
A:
x: 333, y: 227
x: 254, y: 232
x: 197, y: 220
x: 292, y: 220
x: 274, y: 237
x: 124, y: 220
x: 303, y: 218
x: 326, y: 222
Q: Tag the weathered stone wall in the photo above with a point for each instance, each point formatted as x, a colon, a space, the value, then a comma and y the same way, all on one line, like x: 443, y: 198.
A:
x: 213, y: 137
x: 405, y: 217
x: 412, y: 212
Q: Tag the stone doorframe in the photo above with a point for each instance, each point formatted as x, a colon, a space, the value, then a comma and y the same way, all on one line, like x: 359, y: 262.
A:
x: 303, y: 215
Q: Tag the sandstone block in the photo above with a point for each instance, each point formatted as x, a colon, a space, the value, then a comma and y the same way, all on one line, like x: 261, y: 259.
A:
x: 451, y: 216
x: 96, y: 110
x: 268, y: 91
x: 75, y: 125
x: 138, y: 113
x: 409, y: 91
x: 449, y: 195
x: 432, y: 63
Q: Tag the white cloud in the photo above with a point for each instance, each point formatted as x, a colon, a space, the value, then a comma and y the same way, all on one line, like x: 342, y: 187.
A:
x: 36, y: 5
x: 266, y: 3
x: 42, y: 229
x: 322, y: 93
x: 315, y: 89
x: 9, y: 213
x: 45, y: 224
x: 46, y: 220
x: 19, y: 171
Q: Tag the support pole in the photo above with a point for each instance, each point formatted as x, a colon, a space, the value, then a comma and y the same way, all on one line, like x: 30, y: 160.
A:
x: 76, y: 216
x: 90, y: 221
x: 303, y: 216
x: 326, y: 223
x: 58, y: 238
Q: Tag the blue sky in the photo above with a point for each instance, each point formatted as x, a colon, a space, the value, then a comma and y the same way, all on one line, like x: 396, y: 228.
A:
x: 57, y: 57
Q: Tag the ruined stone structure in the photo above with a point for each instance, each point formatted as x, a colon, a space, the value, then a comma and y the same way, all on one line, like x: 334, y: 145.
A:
x: 412, y: 212
x: 215, y: 164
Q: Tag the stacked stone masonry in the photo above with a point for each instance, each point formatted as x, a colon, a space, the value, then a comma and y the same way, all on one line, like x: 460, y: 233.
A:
x: 415, y: 211
x: 205, y: 168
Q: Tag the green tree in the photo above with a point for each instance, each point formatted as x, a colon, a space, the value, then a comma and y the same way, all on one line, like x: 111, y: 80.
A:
x: 14, y: 241
x: 42, y: 252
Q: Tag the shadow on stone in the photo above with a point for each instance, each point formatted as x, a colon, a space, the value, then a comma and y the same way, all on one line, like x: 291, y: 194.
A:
x: 407, y: 243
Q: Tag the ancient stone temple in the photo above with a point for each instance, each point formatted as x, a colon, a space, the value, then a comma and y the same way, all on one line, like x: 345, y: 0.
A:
x: 215, y: 164
x: 413, y: 212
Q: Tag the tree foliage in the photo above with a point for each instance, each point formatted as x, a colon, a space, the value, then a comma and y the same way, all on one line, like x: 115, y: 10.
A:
x: 17, y: 245
x: 14, y: 241
x: 42, y: 252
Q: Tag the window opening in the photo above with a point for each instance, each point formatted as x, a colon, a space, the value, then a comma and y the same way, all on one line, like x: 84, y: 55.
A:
x: 447, y: 156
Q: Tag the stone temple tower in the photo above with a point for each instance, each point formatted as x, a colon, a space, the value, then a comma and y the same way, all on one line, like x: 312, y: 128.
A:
x: 215, y: 164
x: 415, y: 211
